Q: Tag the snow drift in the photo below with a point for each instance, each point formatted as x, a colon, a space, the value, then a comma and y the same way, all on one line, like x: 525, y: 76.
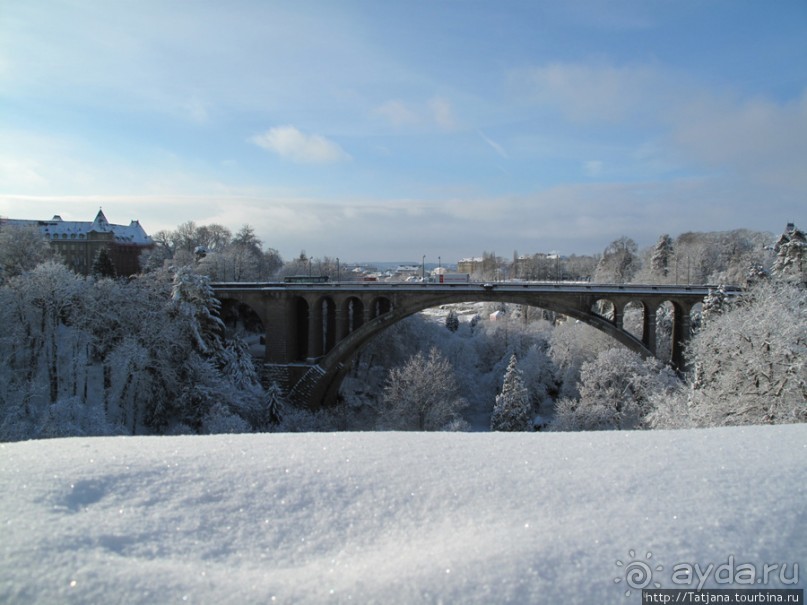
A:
x: 394, y: 517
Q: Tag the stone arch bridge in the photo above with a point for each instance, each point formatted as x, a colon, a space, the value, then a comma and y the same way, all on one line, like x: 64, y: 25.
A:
x: 313, y: 330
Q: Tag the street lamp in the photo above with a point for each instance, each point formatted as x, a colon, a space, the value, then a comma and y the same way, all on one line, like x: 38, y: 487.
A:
x: 423, y: 268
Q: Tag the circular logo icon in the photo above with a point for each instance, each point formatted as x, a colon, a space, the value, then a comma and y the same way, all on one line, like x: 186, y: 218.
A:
x: 638, y: 574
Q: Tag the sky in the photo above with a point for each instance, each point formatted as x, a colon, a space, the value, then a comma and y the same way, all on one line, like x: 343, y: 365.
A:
x: 402, y: 518
x: 394, y: 130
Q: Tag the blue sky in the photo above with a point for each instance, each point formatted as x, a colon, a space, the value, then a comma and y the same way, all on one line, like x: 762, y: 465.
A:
x: 390, y: 130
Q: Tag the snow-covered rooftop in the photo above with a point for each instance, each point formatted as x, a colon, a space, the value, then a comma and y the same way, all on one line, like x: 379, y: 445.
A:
x: 56, y: 228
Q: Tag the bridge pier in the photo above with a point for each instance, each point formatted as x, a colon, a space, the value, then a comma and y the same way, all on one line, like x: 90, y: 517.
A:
x: 314, y: 330
x: 682, y: 330
x: 649, y: 326
x: 619, y: 315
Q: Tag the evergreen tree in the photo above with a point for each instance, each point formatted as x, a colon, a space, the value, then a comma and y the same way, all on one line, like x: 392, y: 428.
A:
x: 661, y: 256
x: 102, y: 266
x: 452, y: 321
x: 512, y: 409
x: 275, y: 404
x: 194, y: 299
x: 791, y: 250
x: 715, y: 303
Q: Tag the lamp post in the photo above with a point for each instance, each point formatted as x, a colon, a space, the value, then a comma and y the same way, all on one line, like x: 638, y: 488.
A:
x: 338, y: 274
x: 423, y: 268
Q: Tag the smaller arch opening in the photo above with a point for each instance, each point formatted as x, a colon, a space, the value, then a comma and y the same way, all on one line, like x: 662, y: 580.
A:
x: 633, y: 320
x: 241, y: 320
x: 605, y: 309
x: 665, y: 319
x: 381, y: 305
x: 353, y: 313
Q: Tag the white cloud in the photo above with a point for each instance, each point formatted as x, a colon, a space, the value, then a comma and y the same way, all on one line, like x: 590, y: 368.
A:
x: 290, y: 143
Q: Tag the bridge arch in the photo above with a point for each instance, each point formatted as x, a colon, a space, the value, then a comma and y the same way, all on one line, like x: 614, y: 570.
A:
x: 326, y: 377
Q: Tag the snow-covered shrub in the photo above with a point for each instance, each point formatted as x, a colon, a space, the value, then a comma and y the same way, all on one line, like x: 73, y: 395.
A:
x: 221, y: 420
x: 72, y: 418
x: 300, y: 420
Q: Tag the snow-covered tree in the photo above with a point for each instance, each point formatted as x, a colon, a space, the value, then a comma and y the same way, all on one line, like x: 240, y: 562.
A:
x: 421, y: 395
x: 76, y: 350
x: 571, y: 344
x: 512, y: 410
x: 193, y: 298
x: 615, y: 393
x: 274, y: 404
x: 452, y: 321
x: 619, y: 262
x: 791, y: 255
x: 716, y: 302
x: 661, y: 257
x: 750, y: 360
x: 539, y: 375
x: 22, y: 249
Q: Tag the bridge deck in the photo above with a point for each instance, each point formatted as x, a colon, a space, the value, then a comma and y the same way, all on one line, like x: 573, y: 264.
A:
x: 536, y: 287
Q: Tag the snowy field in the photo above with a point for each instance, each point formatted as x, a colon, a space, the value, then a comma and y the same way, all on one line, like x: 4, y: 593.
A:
x: 395, y: 517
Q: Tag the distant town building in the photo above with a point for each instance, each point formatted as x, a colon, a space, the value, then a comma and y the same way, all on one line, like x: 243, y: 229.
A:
x: 469, y: 265
x: 80, y: 242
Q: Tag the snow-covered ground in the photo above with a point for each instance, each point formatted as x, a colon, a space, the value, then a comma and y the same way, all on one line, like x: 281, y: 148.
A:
x: 396, y: 517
